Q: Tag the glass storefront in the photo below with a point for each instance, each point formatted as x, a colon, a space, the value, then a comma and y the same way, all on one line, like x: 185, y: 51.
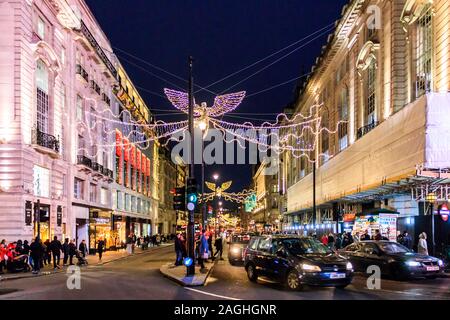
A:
x: 44, y: 223
x: 100, y: 227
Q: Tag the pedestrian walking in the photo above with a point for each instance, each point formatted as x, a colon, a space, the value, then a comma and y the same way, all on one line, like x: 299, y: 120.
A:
x: 48, y: 253
x: 2, y: 257
x: 365, y: 236
x: 203, y: 250
x: 56, y: 248
x: 218, y: 243
x: 100, y: 248
x: 178, y: 250
x: 65, y: 250
x: 331, y: 241
x: 72, y: 251
x: 83, y: 248
x: 37, y: 251
x: 422, y: 247
x: 406, y: 240
x: 211, y: 255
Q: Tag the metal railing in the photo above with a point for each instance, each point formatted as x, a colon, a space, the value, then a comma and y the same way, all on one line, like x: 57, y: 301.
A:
x: 80, y: 70
x: 45, y: 140
x: 366, y: 129
x: 83, y: 160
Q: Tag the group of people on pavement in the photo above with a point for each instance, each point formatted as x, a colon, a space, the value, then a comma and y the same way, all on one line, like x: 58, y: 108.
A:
x: 40, y: 254
x: 203, y: 248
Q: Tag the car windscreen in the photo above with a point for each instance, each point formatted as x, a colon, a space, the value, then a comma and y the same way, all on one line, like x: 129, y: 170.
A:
x: 305, y: 246
x: 392, y: 247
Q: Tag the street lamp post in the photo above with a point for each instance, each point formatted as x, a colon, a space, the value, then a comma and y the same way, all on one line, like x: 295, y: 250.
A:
x: 431, y: 199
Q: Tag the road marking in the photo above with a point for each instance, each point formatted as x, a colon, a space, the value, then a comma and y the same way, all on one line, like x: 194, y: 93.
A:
x: 211, y: 294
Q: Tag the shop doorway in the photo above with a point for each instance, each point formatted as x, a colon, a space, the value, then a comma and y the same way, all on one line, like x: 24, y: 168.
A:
x: 82, y: 230
x: 42, y: 227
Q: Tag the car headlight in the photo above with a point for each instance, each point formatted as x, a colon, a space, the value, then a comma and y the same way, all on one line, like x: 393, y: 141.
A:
x: 349, y: 266
x: 440, y: 263
x: 412, y: 263
x: 310, y: 268
x: 235, y: 250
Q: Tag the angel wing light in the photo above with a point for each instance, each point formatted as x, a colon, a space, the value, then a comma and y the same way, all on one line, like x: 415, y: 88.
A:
x: 222, y: 104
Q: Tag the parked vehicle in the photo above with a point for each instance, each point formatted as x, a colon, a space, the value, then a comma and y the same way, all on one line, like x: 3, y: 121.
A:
x: 394, y: 260
x: 236, y: 247
x: 296, y: 261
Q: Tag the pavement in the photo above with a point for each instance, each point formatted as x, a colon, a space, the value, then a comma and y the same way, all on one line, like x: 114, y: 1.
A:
x: 138, y: 277
x: 178, y: 274
x: 108, y: 257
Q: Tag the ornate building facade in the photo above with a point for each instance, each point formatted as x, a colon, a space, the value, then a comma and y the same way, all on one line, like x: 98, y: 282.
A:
x: 381, y: 85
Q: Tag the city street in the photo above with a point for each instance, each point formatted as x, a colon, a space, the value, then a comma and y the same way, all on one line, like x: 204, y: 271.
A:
x: 138, y: 277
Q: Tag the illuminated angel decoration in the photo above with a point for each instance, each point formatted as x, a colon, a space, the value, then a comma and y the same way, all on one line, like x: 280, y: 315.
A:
x: 222, y: 104
x: 219, y: 189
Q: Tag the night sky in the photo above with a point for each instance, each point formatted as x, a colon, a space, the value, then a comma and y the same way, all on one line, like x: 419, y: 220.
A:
x: 223, y: 36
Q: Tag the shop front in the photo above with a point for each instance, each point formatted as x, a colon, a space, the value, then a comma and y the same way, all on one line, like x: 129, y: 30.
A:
x: 379, y: 219
x: 100, y: 228
x: 42, y: 221
x: 119, y: 233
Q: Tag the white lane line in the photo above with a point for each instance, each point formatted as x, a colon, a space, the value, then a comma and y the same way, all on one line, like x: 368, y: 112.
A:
x: 211, y: 294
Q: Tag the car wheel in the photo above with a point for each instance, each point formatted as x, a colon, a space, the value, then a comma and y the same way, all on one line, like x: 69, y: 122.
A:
x: 292, y: 281
x: 251, y: 273
x: 432, y: 277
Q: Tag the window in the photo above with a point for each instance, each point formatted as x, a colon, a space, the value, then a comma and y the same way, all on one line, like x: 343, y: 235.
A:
x: 139, y: 205
x: 104, y: 196
x: 127, y: 202
x: 343, y: 116
x: 41, y: 181
x: 92, y: 119
x: 118, y: 170
x: 325, y: 136
x: 42, y: 97
x: 371, y: 98
x: 78, y: 188
x: 80, y: 150
x: 265, y: 244
x: 41, y: 28
x: 79, y: 108
x: 64, y: 185
x: 93, y: 193
x: 424, y: 51
x: 133, y: 203
x: 119, y: 200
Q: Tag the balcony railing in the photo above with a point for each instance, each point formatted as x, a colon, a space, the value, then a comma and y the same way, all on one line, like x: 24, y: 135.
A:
x: 85, y: 161
x: 95, y: 87
x: 98, y: 49
x: 366, y: 129
x: 106, y: 99
x: 80, y: 70
x: 45, y: 140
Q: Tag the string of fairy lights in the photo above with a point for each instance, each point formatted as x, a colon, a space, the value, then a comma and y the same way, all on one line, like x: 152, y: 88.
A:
x: 297, y: 134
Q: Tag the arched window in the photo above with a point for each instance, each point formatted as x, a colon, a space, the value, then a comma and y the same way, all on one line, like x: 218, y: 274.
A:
x: 343, y: 116
x: 42, y: 97
x: 370, y: 105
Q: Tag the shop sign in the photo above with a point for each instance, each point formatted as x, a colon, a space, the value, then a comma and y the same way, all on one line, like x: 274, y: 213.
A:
x: 444, y: 212
x: 59, y: 216
x: 388, y: 226
x: 101, y: 220
x: 349, y: 217
x: 28, y: 213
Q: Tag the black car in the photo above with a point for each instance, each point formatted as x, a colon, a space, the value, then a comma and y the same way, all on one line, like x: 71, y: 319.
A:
x: 236, y: 247
x: 296, y: 261
x: 394, y: 260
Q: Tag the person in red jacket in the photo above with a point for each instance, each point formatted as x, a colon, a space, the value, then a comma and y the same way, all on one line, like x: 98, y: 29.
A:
x: 324, y: 240
x: 3, y: 255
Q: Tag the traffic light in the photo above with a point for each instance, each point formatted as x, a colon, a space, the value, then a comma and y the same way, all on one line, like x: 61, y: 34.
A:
x: 192, y: 194
x: 179, y: 198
